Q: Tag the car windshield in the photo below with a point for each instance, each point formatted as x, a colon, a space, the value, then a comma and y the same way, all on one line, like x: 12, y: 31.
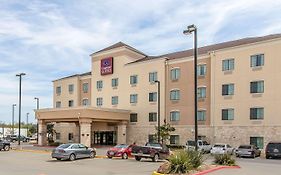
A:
x: 63, y: 146
x: 245, y: 147
x: 153, y: 144
x: 219, y: 146
x: 121, y: 146
x: 274, y: 146
x: 205, y: 143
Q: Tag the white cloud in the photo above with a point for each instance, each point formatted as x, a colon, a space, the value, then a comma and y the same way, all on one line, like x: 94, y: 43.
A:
x: 50, y: 39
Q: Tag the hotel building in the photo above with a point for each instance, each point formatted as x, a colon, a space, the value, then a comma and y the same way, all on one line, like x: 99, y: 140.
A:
x: 116, y: 102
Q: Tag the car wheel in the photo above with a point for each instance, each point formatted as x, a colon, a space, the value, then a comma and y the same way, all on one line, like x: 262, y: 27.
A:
x: 267, y: 157
x: 254, y: 155
x: 92, y: 154
x: 138, y: 158
x: 124, y: 156
x: 6, y: 148
x: 72, y: 157
x: 109, y: 157
x: 58, y: 158
x: 155, y: 158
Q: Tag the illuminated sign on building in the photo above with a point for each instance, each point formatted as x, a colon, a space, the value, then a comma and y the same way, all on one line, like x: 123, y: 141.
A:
x: 106, y: 66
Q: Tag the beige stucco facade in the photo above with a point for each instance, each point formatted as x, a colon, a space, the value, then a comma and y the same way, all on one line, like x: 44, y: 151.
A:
x: 241, y: 128
x: 96, y: 122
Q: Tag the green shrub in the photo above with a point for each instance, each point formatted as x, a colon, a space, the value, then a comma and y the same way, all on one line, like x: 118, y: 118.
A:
x: 54, y: 143
x: 224, y: 159
x: 184, y: 161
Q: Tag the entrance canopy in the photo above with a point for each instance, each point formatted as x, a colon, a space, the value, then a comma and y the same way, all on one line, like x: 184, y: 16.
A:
x: 75, y: 114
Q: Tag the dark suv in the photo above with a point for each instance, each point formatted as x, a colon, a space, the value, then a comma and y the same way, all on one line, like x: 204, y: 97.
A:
x: 5, y: 145
x: 273, y: 150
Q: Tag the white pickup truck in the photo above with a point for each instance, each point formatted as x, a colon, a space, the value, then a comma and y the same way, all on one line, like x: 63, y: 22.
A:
x: 203, y: 146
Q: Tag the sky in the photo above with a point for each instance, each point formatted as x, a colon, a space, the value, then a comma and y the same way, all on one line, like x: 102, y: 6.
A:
x: 50, y: 39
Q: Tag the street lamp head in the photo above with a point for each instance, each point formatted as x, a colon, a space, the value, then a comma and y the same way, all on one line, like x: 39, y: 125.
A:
x: 20, y: 74
x: 36, y: 98
x: 190, y: 29
x: 156, y: 81
x: 14, y: 104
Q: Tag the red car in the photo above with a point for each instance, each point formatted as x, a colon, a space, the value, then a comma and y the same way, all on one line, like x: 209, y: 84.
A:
x: 121, y: 150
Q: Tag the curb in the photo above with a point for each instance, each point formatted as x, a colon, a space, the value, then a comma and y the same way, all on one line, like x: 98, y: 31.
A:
x: 216, y: 169
x: 207, y: 171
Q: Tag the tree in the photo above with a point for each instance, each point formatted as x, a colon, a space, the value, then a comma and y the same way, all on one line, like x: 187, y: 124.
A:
x: 50, y: 132
x: 165, y: 131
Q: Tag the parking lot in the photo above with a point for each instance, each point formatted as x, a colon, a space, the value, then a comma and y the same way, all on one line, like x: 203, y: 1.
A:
x: 37, y: 161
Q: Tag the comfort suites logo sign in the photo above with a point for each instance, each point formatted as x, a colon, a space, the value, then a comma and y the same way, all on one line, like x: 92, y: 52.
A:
x: 106, y: 66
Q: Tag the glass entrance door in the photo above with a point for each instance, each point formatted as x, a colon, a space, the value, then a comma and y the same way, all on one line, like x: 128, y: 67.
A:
x: 104, y: 137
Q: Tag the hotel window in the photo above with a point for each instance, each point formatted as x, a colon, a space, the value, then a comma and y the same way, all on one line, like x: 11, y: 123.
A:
x: 174, y: 139
x: 58, y: 104
x: 201, y: 70
x: 152, y: 76
x: 133, y: 98
x: 257, y: 60
x: 70, y: 88
x: 133, y: 79
x: 256, y: 113
x: 257, y: 141
x: 201, y: 115
x: 174, y: 94
x: 175, y: 74
x: 99, y: 84
x: 228, y: 64
x: 70, y: 103
x: 152, y: 97
x: 151, y: 138
x: 99, y: 101
x: 85, y: 87
x: 152, y: 116
x: 201, y: 92
x: 114, y: 100
x: 58, y: 90
x: 174, y: 116
x: 85, y: 102
x: 257, y: 87
x: 114, y: 82
x: 57, y: 136
x: 227, y: 114
x: 228, y: 89
x: 70, y: 136
x: 134, y: 117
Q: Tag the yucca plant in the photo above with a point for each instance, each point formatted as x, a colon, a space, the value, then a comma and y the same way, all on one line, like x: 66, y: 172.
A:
x: 184, y: 161
x: 224, y: 159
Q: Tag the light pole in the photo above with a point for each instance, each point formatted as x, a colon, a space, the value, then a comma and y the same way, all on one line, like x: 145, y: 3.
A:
x: 190, y: 29
x: 20, y: 77
x: 158, y: 94
x: 13, y: 118
x: 27, y: 121
x: 37, y: 107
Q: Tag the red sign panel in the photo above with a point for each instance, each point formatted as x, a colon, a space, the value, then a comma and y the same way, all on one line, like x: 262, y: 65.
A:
x: 106, y: 66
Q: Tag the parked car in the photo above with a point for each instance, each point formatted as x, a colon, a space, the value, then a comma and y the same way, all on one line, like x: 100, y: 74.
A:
x: 154, y: 151
x: 4, y: 145
x: 273, y: 150
x: 15, y: 138
x: 222, y: 148
x: 73, y: 151
x: 121, y: 150
x: 247, y: 151
x: 203, y: 146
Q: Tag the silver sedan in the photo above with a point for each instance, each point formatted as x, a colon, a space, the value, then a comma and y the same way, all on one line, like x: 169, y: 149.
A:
x: 73, y: 151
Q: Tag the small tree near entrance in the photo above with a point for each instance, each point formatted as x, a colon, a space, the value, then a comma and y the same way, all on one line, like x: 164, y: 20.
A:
x: 50, y: 132
x: 165, y: 131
